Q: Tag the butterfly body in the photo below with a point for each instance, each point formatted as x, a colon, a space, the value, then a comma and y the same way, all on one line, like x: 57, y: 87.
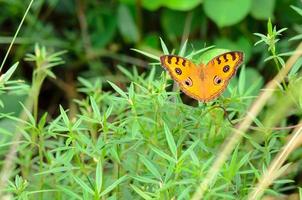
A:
x: 203, y: 82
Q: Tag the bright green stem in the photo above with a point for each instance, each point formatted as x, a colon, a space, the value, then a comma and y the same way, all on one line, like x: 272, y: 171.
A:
x: 35, y: 93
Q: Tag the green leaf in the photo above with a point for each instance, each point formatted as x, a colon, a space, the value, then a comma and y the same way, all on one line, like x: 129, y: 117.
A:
x: 175, y: 19
x: 164, y: 47
x: 171, y: 142
x: 95, y: 108
x: 64, y: 116
x: 57, y: 170
x: 99, y: 176
x: 125, y: 72
x: 242, y: 81
x: 171, y: 4
x: 145, y: 179
x: 297, y: 37
x: 269, y: 27
x: 296, y: 67
x: 170, y: 170
x: 193, y: 53
x: 118, y: 90
x: 180, y: 4
x: 6, y: 76
x: 189, y: 150
x: 29, y: 115
x: 162, y: 154
x: 141, y: 193
x: 227, y: 13
x: 149, y: 165
x: 69, y: 192
x: 146, y: 54
x: 209, y: 55
x: 126, y: 24
x: 183, y: 49
x: 241, y: 44
x: 102, y: 26
x: 109, y: 111
x: 262, y: 9
x: 185, y: 194
x: 113, y: 185
x: 254, y: 81
x: 42, y: 121
x: 298, y: 10
x: 114, y: 154
x: 83, y: 185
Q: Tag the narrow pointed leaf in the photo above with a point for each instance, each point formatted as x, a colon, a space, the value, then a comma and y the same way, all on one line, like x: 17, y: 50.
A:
x: 164, y: 47
x: 170, y: 141
x: 113, y: 185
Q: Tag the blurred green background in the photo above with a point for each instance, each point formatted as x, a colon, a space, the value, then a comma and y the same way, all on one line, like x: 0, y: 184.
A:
x: 98, y: 35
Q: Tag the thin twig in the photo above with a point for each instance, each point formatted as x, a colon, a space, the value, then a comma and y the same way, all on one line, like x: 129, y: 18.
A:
x: 83, y: 26
x: 15, y: 36
x: 237, y: 134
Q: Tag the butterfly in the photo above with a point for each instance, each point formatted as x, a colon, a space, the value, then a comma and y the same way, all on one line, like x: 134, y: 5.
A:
x: 203, y: 82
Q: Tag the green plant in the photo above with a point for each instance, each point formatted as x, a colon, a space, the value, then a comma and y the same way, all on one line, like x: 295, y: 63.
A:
x: 128, y: 133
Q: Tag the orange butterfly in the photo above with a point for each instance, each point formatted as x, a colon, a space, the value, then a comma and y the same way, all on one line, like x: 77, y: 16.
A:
x: 205, y: 82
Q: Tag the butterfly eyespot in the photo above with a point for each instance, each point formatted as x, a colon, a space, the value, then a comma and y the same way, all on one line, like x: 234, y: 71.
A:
x: 217, y: 80
x: 178, y: 71
x: 226, y: 68
x: 188, y: 82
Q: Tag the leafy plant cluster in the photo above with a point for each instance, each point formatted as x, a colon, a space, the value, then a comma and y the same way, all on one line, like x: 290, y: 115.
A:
x: 143, y: 140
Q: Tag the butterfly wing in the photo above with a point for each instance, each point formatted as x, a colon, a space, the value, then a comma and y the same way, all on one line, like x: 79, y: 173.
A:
x: 218, y: 72
x: 206, y: 82
x: 185, y: 73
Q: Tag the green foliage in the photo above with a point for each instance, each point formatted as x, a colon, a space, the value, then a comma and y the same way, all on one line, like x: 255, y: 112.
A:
x: 127, y: 25
x: 226, y: 13
x: 171, y: 4
x: 96, y: 128
x: 265, y: 11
